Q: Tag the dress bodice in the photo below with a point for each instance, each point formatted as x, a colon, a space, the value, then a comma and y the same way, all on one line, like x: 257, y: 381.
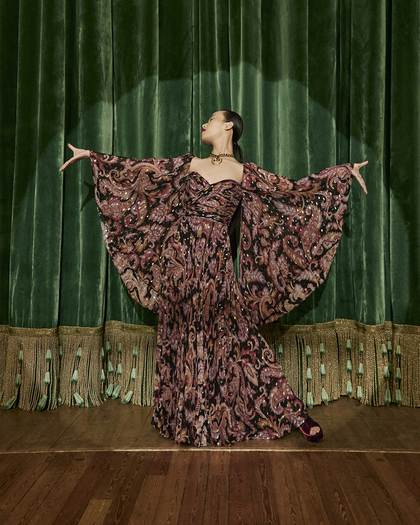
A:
x: 217, y: 201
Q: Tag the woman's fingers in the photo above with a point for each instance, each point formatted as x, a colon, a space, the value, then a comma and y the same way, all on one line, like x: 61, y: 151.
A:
x: 357, y: 176
x: 362, y: 183
x: 358, y: 166
x: 78, y: 154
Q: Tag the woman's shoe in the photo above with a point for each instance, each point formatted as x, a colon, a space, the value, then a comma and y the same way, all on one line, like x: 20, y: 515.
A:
x: 305, y: 428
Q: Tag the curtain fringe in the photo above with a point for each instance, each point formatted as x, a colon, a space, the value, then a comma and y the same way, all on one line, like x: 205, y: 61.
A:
x: 80, y: 366
x: 4, y: 338
x: 131, y: 350
x: 377, y: 365
x: 43, y: 368
x: 30, y: 369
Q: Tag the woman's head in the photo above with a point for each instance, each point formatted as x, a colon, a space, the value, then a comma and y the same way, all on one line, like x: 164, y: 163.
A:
x: 225, y: 129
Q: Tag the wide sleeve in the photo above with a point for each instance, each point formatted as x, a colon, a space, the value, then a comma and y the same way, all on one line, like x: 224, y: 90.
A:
x: 290, y: 232
x: 137, y: 201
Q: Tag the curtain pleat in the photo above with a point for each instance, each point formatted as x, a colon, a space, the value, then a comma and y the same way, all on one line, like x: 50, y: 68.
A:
x: 36, y: 214
x: 317, y: 84
x: 404, y: 162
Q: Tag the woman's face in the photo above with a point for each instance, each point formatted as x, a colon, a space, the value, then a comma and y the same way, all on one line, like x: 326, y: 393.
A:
x: 215, y: 128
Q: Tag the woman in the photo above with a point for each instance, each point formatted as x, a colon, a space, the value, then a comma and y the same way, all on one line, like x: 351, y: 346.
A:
x: 166, y: 225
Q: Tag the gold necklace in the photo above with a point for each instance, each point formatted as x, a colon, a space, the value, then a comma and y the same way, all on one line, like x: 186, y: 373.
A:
x: 217, y: 159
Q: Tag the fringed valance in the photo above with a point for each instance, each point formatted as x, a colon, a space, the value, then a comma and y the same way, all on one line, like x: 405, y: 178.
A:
x: 43, y: 368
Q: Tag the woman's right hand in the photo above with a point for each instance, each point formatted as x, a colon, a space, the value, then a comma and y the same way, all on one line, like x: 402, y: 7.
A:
x: 78, y: 154
x: 357, y: 176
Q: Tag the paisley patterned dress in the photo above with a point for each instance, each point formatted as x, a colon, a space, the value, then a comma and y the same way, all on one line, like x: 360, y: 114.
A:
x: 167, y: 230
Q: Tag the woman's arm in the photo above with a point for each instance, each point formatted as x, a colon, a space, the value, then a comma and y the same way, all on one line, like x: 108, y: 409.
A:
x: 78, y: 154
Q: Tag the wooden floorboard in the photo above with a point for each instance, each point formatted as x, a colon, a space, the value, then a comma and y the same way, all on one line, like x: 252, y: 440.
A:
x: 359, y: 509
x: 109, y: 465
x: 193, y: 502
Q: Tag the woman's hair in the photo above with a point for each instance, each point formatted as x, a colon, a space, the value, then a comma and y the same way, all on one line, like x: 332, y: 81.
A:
x: 238, y: 125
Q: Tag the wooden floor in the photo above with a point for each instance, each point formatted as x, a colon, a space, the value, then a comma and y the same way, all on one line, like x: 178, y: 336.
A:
x: 108, y: 465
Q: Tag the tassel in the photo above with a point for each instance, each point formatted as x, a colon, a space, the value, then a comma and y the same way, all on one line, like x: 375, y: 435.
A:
x: 386, y: 372
x: 102, y: 352
x: 359, y: 393
x: 133, y: 374
x: 384, y: 352
x: 349, y: 388
x: 110, y: 368
x: 349, y: 366
x: 49, y: 356
x: 309, y: 400
x: 389, y: 346
x: 102, y: 376
x: 42, y: 403
x: 398, y: 374
x: 109, y: 390
x: 398, y: 351
x: 79, y: 352
x: 135, y: 351
x: 323, y: 372
x: 10, y: 403
x: 116, y: 392
x: 348, y: 344
x: 18, y: 380
x: 387, y: 397
x: 119, y: 348
x: 309, y: 375
x: 360, y: 370
x: 398, y: 397
x: 78, y: 400
x: 60, y: 351
x: 322, y: 349
x: 119, y: 369
x: 20, y: 356
x: 59, y: 400
x: 361, y: 348
x: 75, y: 377
x: 47, y: 378
x: 127, y: 397
x: 107, y: 346
x: 324, y: 396
x: 308, y: 351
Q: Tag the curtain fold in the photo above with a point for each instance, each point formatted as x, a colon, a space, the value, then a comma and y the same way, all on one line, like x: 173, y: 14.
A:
x: 317, y: 84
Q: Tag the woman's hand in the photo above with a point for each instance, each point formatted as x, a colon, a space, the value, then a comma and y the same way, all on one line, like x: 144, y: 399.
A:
x: 355, y: 172
x: 78, y: 154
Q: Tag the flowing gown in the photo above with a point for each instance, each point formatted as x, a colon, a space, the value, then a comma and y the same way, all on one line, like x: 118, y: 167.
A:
x: 167, y: 230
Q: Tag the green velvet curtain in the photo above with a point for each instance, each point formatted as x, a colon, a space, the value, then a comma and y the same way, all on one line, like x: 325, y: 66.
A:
x: 317, y: 82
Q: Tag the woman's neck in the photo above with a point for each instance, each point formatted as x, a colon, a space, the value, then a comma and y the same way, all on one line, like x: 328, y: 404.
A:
x: 224, y: 145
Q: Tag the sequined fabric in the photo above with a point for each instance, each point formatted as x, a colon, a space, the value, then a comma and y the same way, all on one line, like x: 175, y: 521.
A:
x: 166, y: 228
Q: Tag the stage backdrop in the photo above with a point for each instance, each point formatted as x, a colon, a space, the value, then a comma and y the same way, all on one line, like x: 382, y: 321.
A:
x: 318, y: 83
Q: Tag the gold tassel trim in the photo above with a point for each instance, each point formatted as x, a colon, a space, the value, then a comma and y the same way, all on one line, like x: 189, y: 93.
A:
x: 80, y: 366
x: 334, y: 335
x: 4, y: 338
x: 387, y: 369
x: 31, y: 368
x: 144, y: 340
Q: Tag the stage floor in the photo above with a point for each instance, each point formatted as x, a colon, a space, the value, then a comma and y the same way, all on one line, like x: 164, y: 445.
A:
x: 347, y: 426
x: 108, y: 465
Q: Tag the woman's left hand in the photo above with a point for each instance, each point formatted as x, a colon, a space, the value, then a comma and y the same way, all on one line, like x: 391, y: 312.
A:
x: 355, y: 172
